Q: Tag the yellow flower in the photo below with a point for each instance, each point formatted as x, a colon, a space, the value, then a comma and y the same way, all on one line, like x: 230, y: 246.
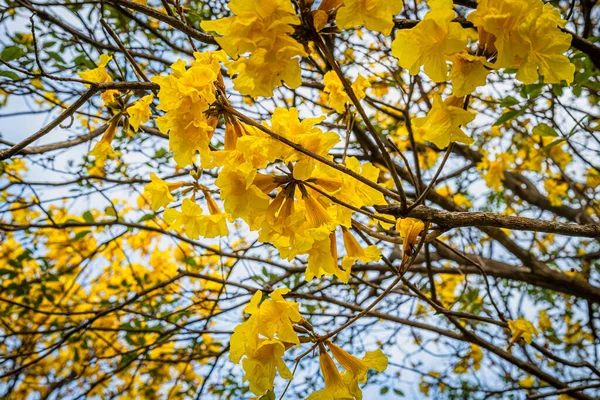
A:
x: 545, y: 322
x: 430, y: 42
x: 261, y: 365
x: 346, y: 386
x: 263, y: 357
x: 99, y: 75
x: 317, y: 214
x: 317, y: 142
x: 139, y: 112
x: 286, y: 123
x: 592, y: 178
x: 358, y: 368
x: 555, y: 190
x: 472, y: 360
x: 442, y: 124
x: 216, y: 222
x: 159, y: 191
x: 258, y: 148
x: 329, y: 5
x: 335, y: 387
x: 233, y: 131
x: 185, y: 95
x: 527, y: 382
x: 494, y: 175
x: 337, y: 97
x: 265, y: 70
x: 24, y: 38
x: 103, y: 149
x: 376, y: 15
x: 459, y: 199
x: 37, y: 83
x: 409, y: 229
x: 262, y: 29
x: 500, y: 23
x: 320, y: 19
x: 189, y: 217
x: 355, y: 252
x: 467, y: 73
x: 14, y: 168
x: 240, y: 196
x: 521, y: 328
x: 547, y: 47
x: 360, y: 85
x: 323, y: 257
x: 526, y: 35
x: 447, y: 288
x: 357, y: 193
x: 276, y: 315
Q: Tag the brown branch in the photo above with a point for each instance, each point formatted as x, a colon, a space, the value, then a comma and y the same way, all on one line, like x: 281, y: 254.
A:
x: 455, y: 219
x: 98, y: 87
x: 60, y: 145
x: 43, y: 15
x: 5, y: 154
x: 172, y: 21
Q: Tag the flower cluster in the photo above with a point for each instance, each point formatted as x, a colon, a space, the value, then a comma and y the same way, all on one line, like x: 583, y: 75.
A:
x: 512, y: 34
x: 336, y: 95
x: 295, y: 210
x: 261, y: 341
x: 376, y: 15
x: 185, y: 96
x: 442, y: 124
x: 263, y: 30
x: 524, y: 35
x: 431, y: 42
x: 345, y: 385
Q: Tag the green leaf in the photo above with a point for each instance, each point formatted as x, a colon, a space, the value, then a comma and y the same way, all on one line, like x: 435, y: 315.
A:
x: 559, y: 141
x: 384, y: 390
x: 509, y: 102
x: 557, y: 90
x: 268, y: 396
x: 7, y: 272
x: 9, y: 74
x: 12, y: 53
x: 81, y: 235
x: 55, y: 56
x: 399, y: 392
x: 160, y: 153
x: 127, y: 358
x: 532, y: 91
x: 507, y: 116
x: 88, y: 217
x: 147, y: 217
x: 544, y: 130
